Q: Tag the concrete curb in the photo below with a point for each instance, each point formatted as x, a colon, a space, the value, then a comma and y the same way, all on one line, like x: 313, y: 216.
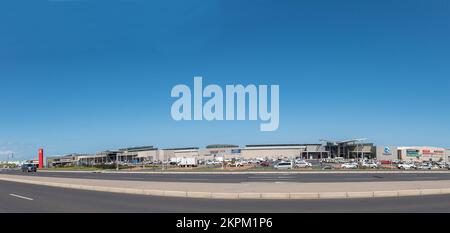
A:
x: 240, y: 196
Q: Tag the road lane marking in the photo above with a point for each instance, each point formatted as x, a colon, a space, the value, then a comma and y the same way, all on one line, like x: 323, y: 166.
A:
x: 194, y: 179
x: 22, y: 197
x: 270, y: 177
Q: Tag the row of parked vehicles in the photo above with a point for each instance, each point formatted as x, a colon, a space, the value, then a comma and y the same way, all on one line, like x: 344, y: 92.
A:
x: 290, y: 165
x: 363, y: 164
x: 335, y: 163
x: 398, y: 164
x: 424, y: 166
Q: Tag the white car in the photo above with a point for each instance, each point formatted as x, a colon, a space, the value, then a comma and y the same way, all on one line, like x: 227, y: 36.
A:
x: 302, y: 164
x: 283, y: 165
x: 424, y: 166
x: 349, y: 165
x: 370, y: 165
x: 212, y: 162
x: 435, y: 167
x: 236, y: 164
x: 406, y: 166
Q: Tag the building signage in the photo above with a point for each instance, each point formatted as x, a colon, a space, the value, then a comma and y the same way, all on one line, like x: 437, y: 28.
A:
x: 432, y: 152
x: 236, y: 151
x: 387, y: 151
x: 412, y: 153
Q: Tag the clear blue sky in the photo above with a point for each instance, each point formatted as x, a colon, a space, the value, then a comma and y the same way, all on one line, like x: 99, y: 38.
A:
x: 90, y: 75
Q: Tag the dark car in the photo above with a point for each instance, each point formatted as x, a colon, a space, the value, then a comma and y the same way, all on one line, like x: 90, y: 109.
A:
x: 264, y: 164
x: 28, y: 168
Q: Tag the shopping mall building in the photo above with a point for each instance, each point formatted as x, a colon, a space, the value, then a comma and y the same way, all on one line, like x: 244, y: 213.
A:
x: 350, y: 149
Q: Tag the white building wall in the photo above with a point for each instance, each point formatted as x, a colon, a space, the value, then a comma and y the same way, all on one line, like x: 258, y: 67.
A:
x: 151, y: 155
x: 271, y: 152
x: 167, y: 154
x: 186, y: 153
x: 387, y: 153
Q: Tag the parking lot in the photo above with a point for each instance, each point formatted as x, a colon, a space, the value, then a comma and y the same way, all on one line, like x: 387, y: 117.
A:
x: 296, y: 165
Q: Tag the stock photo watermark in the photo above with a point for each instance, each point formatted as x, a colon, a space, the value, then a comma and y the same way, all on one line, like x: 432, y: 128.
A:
x: 236, y: 101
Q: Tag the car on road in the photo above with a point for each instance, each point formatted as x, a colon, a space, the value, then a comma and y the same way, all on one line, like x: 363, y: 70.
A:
x: 28, y: 168
x: 283, y: 165
x: 349, y: 166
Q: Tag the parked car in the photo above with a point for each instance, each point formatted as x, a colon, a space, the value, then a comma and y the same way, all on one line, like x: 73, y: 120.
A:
x: 302, y: 164
x: 283, y: 165
x: 264, y: 164
x: 236, y: 164
x: 386, y: 162
x: 213, y: 162
x: 435, y: 167
x: 406, y: 166
x: 349, y: 165
x: 424, y: 167
x: 28, y: 168
x: 370, y: 165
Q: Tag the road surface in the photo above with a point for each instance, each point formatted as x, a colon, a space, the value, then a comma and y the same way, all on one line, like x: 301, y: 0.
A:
x: 25, y: 198
x: 239, y: 178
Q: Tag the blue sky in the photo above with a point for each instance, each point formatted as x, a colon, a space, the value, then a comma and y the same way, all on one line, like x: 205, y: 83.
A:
x: 90, y: 75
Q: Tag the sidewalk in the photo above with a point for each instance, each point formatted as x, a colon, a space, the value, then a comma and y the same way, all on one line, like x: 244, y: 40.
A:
x: 279, y: 190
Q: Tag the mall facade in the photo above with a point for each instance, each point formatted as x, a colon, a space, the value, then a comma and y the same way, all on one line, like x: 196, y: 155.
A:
x: 349, y: 149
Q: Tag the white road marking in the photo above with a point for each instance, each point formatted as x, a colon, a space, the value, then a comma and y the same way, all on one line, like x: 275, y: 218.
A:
x: 270, y: 177
x: 194, y: 179
x: 22, y: 197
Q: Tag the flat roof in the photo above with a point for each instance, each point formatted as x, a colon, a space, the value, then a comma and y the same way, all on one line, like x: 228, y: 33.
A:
x: 183, y: 148
x: 282, y: 145
x: 139, y: 148
x: 215, y: 146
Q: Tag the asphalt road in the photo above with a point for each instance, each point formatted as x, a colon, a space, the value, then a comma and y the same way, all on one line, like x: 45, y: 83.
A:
x: 25, y: 198
x: 238, y: 178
